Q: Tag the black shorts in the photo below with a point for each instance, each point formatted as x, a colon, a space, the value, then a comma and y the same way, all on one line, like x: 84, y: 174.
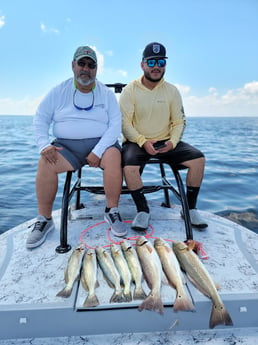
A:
x: 133, y: 154
x: 75, y: 151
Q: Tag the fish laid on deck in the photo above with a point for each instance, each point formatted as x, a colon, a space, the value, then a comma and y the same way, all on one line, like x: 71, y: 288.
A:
x: 201, y: 279
x: 135, y: 269
x: 152, y: 271
x: 72, y: 272
x: 123, y: 269
x: 174, y: 275
x: 111, y: 274
x: 89, y: 278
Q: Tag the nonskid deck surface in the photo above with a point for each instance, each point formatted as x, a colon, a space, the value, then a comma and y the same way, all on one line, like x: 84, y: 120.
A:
x: 30, y: 279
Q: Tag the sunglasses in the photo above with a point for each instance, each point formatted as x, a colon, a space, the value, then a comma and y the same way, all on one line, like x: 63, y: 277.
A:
x: 80, y: 108
x: 153, y: 62
x: 90, y: 65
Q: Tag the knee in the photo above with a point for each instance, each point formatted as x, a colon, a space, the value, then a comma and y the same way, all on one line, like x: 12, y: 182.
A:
x: 131, y: 170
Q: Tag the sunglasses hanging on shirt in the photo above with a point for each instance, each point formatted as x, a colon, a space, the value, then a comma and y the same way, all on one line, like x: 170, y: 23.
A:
x: 80, y: 108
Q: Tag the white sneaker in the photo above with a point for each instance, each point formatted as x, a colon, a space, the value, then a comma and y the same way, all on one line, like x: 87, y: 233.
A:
x: 115, y: 222
x: 141, y: 221
x: 196, y: 220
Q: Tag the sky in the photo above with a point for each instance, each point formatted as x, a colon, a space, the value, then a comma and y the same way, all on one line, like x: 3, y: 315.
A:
x: 212, y: 49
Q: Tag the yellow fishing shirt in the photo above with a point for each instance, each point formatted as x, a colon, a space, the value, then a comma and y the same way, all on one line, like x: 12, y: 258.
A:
x: 156, y: 114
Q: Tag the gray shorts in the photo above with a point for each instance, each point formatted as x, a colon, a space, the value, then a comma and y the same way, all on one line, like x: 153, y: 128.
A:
x: 75, y: 151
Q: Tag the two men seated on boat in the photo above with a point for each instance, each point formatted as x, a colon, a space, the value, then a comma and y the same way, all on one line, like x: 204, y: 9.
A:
x: 87, y: 123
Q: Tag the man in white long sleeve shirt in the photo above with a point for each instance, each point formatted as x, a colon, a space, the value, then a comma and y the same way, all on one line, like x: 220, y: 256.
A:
x: 86, y: 124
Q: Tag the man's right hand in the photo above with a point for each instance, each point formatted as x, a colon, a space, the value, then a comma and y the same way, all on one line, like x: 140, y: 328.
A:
x: 50, y: 153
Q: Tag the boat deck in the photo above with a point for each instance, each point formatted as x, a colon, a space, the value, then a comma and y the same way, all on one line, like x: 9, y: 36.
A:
x: 30, y: 279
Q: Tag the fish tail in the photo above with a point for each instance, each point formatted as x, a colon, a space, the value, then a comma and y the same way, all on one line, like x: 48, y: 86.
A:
x: 91, y: 301
x: 183, y: 302
x: 128, y: 296
x: 139, y: 293
x: 152, y: 303
x: 117, y: 297
x: 66, y: 292
x: 220, y: 316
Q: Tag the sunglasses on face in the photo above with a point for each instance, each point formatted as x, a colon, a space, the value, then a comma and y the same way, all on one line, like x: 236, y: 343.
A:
x: 153, y: 62
x: 90, y: 65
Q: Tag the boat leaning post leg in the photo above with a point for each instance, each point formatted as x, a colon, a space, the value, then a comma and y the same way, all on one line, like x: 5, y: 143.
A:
x: 64, y: 247
x: 184, y: 204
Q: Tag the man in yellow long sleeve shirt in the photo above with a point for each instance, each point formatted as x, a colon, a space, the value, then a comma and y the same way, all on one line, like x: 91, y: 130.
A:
x: 153, y: 122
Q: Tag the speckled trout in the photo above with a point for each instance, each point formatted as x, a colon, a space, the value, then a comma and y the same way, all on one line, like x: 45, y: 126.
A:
x: 152, y: 272
x: 72, y: 272
x: 111, y: 274
x: 89, y: 278
x: 123, y: 269
x: 174, y: 274
x: 201, y: 279
x: 135, y: 269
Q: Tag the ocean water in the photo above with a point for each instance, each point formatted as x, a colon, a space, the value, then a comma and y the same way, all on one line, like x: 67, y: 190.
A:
x: 229, y: 187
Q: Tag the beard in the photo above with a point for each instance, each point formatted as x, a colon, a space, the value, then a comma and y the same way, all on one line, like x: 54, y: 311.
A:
x: 83, y: 81
x: 147, y: 75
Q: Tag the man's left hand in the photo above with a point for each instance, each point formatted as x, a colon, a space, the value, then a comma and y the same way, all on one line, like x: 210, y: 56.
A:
x: 93, y: 160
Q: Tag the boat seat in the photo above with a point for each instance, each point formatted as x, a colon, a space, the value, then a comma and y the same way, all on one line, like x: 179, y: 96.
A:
x: 165, y: 186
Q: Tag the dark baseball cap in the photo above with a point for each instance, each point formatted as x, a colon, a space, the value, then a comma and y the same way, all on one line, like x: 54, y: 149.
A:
x: 154, y: 50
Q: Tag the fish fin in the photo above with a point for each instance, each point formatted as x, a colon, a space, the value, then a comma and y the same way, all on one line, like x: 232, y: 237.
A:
x: 198, y: 286
x: 183, y: 302
x: 150, y: 249
x: 117, y: 297
x: 66, y: 292
x: 139, y: 294
x: 220, y: 316
x: 217, y: 286
x: 91, y: 301
x: 183, y: 277
x: 164, y: 279
x: 128, y: 296
x: 167, y: 249
x: 84, y: 283
x: 190, y: 245
x: 66, y: 278
x: 152, y: 303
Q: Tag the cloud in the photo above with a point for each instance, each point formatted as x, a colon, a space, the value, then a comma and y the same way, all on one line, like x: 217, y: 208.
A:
x: 122, y: 73
x: 25, y: 106
x: 100, y: 58
x: 109, y: 53
x: 47, y: 30
x: 235, y: 102
x: 2, y: 21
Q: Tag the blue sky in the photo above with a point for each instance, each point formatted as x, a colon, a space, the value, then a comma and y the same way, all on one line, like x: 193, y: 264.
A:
x: 212, y: 47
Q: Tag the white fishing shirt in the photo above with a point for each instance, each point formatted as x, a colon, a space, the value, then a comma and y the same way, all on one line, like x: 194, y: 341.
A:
x: 57, y: 110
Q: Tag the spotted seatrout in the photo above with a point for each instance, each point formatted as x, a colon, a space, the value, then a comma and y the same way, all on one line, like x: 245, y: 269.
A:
x: 89, y: 278
x: 72, y: 272
x: 111, y: 274
x: 201, y: 279
x: 135, y: 269
x: 123, y: 269
x: 174, y: 275
x: 152, y: 271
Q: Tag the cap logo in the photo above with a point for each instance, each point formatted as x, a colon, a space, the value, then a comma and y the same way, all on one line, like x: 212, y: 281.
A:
x: 87, y: 51
x: 156, y: 48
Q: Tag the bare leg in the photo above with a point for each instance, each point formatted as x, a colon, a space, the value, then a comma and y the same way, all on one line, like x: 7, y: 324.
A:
x: 133, y: 177
x: 112, y: 176
x: 47, y: 183
x: 195, y: 171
